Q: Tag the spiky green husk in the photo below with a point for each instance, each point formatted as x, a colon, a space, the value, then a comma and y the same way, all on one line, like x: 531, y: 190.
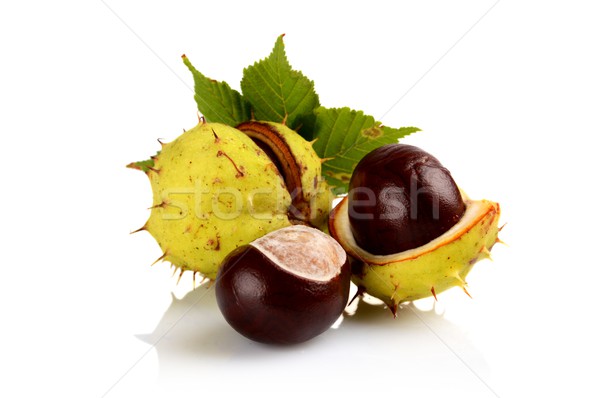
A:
x: 213, y: 191
x: 315, y: 190
x: 311, y: 195
x: 427, y: 270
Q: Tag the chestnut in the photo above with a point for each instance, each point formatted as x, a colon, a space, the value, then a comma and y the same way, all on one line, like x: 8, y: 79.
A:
x: 401, y: 197
x: 285, y: 287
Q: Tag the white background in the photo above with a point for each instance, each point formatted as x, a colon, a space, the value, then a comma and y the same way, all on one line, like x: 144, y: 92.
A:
x: 508, y: 102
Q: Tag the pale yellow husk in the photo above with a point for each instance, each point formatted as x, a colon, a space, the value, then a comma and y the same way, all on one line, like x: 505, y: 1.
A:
x: 427, y: 270
x: 213, y: 190
x: 316, y: 193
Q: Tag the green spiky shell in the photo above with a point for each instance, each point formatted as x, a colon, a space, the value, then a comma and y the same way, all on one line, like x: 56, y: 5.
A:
x: 427, y: 270
x: 213, y: 191
x: 315, y: 190
x: 313, y: 204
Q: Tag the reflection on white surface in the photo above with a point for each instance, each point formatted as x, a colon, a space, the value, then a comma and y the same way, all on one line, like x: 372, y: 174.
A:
x: 193, y: 343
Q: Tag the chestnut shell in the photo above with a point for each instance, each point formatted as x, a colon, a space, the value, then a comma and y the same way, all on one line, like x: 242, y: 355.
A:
x: 401, y: 197
x: 271, y: 305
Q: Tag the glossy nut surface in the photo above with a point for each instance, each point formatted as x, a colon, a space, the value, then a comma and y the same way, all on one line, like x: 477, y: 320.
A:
x: 272, y: 304
x: 400, y: 198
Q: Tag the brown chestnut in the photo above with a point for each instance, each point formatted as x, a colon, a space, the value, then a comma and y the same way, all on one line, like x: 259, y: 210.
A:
x: 286, y: 287
x: 401, y: 197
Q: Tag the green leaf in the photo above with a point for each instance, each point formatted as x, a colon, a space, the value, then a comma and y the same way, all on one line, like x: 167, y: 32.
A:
x: 216, y: 100
x: 276, y: 92
x: 345, y: 136
x: 143, y: 165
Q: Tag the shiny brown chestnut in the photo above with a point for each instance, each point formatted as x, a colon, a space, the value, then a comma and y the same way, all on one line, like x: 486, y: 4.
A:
x: 401, y: 197
x: 286, y: 287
